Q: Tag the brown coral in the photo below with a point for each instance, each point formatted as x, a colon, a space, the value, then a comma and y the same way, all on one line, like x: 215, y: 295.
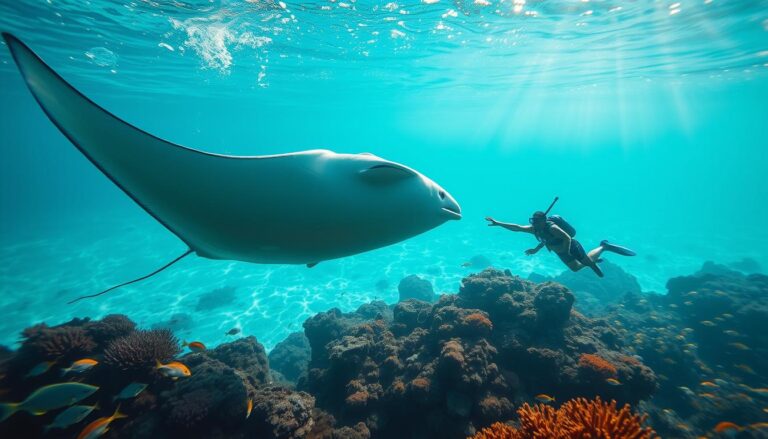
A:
x: 598, y: 365
x: 110, y: 327
x: 478, y: 322
x: 139, y: 350
x: 60, y: 341
x: 576, y: 419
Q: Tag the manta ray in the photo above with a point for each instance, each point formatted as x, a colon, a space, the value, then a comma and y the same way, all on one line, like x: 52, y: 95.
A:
x: 297, y: 208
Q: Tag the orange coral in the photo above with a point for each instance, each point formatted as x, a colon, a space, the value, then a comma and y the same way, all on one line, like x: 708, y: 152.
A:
x: 478, y: 321
x: 597, y: 364
x: 576, y: 419
x: 497, y: 431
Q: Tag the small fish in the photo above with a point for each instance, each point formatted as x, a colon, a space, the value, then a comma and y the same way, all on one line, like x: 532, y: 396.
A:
x: 739, y: 346
x: 546, y: 399
x: 708, y: 384
x: 680, y: 338
x: 613, y: 382
x: 731, y: 332
x: 71, y: 416
x: 48, y: 398
x: 40, y: 369
x: 745, y: 368
x: 691, y: 293
x: 248, y: 408
x: 99, y: 426
x: 708, y: 395
x: 194, y: 346
x: 720, y: 382
x: 687, y: 330
x: 466, y: 264
x: 683, y: 426
x: 728, y: 315
x: 758, y: 425
x: 672, y: 305
x: 233, y: 331
x: 708, y: 323
x: 80, y: 366
x: 719, y: 319
x: 725, y: 426
x: 761, y: 391
x: 687, y: 303
x: 130, y: 391
x: 173, y: 369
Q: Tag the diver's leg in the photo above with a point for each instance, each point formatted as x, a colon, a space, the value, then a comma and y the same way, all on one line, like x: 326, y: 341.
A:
x: 575, y: 265
x: 594, y: 254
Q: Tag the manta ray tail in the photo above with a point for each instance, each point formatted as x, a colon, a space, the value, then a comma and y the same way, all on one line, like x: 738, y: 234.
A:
x: 183, y: 255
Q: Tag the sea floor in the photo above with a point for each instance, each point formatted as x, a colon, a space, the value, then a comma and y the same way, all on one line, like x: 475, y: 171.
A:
x: 202, y: 299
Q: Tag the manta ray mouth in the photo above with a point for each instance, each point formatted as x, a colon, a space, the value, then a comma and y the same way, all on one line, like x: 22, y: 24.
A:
x: 452, y: 213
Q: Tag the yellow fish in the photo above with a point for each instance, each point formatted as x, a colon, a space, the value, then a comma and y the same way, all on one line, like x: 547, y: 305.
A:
x: 708, y: 395
x: 48, y: 398
x: 544, y: 398
x: 194, y: 346
x: 708, y: 384
x: 725, y: 426
x: 99, y: 426
x: 613, y: 382
x: 248, y: 408
x: 173, y: 369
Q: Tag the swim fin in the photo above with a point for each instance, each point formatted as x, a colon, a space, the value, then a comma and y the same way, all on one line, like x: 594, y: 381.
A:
x: 616, y: 248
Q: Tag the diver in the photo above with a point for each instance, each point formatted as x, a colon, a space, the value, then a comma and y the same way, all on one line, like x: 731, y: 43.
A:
x: 555, y: 233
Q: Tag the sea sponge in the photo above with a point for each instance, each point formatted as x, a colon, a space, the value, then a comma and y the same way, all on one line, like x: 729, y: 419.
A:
x: 597, y: 365
x: 576, y: 419
x: 140, y: 349
x: 60, y: 341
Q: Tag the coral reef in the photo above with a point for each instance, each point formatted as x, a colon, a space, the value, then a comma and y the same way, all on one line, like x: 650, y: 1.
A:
x: 446, y: 369
x: 576, y: 419
x: 291, y: 356
x: 140, y: 350
x: 593, y: 292
x: 703, y: 340
x: 211, y: 403
x: 414, y: 287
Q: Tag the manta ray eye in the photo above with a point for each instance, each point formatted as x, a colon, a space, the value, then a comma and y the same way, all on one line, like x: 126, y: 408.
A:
x: 442, y: 194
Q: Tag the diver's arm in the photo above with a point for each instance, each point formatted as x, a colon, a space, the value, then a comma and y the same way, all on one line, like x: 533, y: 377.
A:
x: 533, y: 251
x: 557, y: 232
x: 509, y: 226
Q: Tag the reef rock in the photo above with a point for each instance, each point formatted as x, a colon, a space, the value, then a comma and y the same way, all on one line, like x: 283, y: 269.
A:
x: 447, y: 369
x: 290, y: 357
x: 414, y: 287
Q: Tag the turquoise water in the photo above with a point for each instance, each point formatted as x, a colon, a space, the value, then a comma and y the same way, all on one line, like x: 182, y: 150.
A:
x: 646, y: 118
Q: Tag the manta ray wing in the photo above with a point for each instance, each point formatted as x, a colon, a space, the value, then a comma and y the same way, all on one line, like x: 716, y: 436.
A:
x: 155, y: 173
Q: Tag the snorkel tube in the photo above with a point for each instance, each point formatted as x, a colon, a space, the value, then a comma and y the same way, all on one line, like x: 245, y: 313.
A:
x: 546, y: 212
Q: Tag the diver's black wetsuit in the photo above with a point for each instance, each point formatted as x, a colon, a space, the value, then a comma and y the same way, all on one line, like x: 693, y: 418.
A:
x: 575, y: 252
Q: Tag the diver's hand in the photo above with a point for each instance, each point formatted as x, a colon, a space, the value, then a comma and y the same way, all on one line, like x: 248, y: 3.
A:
x: 491, y: 222
x: 531, y: 251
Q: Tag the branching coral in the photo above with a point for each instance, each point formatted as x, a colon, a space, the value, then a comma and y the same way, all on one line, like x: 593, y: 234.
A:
x: 598, y: 365
x: 60, y: 341
x: 576, y: 419
x: 498, y: 431
x: 110, y: 327
x: 140, y: 349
